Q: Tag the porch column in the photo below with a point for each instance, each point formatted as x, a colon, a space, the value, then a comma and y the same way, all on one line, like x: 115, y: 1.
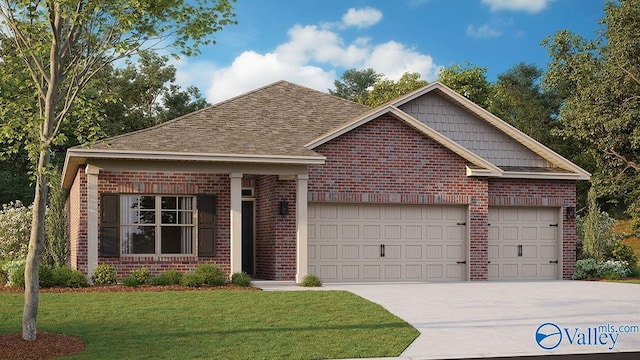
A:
x: 92, y: 218
x: 236, y: 223
x: 301, y: 227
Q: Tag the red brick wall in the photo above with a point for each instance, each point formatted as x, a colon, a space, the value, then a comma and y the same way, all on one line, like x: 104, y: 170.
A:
x: 386, y: 161
x: 541, y: 193
x: 77, y: 219
x: 171, y: 183
x: 275, y: 233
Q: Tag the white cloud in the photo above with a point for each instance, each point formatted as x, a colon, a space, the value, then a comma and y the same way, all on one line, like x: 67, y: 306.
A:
x: 312, y: 57
x: 484, y: 31
x: 532, y: 6
x: 361, y: 18
x: 394, y: 59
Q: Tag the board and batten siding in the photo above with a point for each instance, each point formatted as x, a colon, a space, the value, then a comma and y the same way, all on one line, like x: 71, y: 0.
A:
x: 471, y: 132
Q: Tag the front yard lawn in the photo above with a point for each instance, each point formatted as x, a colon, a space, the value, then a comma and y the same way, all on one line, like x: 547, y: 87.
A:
x: 221, y: 324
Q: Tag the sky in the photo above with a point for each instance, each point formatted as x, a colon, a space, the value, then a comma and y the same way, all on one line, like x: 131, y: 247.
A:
x: 312, y: 42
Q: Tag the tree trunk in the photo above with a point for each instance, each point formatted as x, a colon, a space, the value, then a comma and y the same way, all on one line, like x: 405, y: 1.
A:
x: 36, y: 244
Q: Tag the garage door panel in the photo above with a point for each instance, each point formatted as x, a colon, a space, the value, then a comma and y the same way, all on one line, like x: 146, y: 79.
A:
x: 387, y: 242
x: 350, y: 232
x: 413, y: 272
x: 455, y: 252
x: 371, y: 251
x: 434, y: 252
x: 413, y: 232
x: 413, y: 252
x: 522, y: 244
x: 393, y: 252
x: 371, y: 232
x: 328, y: 252
x: 328, y: 232
x: 350, y: 252
x: 454, y: 271
x: 350, y: 272
x: 371, y: 272
x: 393, y: 232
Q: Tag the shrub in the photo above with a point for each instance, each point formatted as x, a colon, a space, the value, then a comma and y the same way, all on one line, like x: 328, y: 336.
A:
x: 45, y: 275
x: 192, y: 280
x: 241, y: 279
x: 131, y: 280
x: 168, y: 277
x: 77, y: 280
x: 614, y: 269
x: 586, y: 269
x: 3, y: 274
x: 311, y: 281
x: 15, y: 228
x: 67, y: 277
x: 15, y: 272
x: 211, y: 274
x: 620, y: 251
x: 141, y: 274
x: 104, y: 274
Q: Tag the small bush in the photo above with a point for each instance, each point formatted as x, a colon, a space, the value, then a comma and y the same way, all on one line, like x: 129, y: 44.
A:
x: 613, y: 269
x: 192, y: 280
x: 142, y: 275
x: 169, y: 277
x: 311, y: 281
x: 586, y: 269
x: 45, y: 275
x: 104, y: 274
x: 241, y: 279
x: 77, y: 280
x: 131, y: 280
x: 67, y: 277
x: 3, y: 274
x: 15, y: 272
x: 620, y: 251
x: 211, y: 274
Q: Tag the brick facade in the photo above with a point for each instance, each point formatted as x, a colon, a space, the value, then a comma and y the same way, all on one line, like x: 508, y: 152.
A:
x: 382, y: 161
x: 171, y: 183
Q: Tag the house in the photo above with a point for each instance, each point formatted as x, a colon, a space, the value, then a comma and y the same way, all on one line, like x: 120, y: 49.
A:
x: 284, y: 181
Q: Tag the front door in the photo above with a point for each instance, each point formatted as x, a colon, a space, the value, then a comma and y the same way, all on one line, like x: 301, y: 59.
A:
x: 247, y: 236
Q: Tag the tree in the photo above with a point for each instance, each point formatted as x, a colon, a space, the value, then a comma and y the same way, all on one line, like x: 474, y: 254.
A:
x: 600, y: 83
x: 519, y: 100
x: 177, y: 102
x: 469, y: 81
x: 385, y: 90
x: 63, y: 45
x: 355, y: 84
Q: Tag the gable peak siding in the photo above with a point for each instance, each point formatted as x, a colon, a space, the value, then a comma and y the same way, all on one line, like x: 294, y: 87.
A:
x: 471, y: 132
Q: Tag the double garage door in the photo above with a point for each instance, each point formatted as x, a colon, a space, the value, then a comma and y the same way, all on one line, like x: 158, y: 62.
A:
x: 372, y: 242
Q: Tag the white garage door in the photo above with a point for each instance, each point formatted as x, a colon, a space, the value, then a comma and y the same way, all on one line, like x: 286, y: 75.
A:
x: 355, y: 242
x: 523, y: 243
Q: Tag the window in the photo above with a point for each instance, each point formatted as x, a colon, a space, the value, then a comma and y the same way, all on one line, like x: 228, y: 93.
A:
x: 159, y: 224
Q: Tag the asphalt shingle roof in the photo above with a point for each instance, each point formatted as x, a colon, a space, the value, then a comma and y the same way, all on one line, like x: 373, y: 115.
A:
x: 278, y: 119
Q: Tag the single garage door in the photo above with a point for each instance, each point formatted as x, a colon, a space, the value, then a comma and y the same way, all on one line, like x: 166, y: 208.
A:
x: 523, y: 243
x: 366, y: 242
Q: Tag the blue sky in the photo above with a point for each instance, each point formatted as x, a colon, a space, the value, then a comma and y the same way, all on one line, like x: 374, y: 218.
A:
x: 312, y: 42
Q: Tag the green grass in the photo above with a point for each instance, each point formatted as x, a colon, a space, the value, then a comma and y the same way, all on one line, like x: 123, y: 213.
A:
x: 628, y: 281
x: 220, y: 324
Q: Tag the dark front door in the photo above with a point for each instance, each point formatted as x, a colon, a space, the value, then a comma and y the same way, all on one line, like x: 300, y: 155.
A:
x: 247, y: 237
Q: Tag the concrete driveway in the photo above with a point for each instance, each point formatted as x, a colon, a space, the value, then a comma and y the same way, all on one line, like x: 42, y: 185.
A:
x: 488, y: 319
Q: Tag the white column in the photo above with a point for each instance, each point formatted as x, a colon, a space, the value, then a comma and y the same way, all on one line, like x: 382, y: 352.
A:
x: 92, y: 218
x: 301, y: 227
x: 236, y: 222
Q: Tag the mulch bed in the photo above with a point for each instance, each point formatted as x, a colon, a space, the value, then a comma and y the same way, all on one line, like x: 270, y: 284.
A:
x: 52, y: 345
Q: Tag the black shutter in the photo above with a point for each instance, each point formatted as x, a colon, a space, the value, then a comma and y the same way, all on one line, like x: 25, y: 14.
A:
x: 110, y: 225
x: 206, y: 225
